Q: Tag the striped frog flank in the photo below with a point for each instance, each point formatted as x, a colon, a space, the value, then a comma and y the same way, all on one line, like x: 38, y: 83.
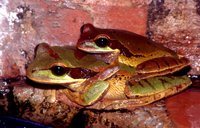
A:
x: 147, y: 87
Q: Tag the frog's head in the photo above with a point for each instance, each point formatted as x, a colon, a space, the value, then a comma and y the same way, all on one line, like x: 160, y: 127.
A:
x: 95, y: 40
x: 55, y: 65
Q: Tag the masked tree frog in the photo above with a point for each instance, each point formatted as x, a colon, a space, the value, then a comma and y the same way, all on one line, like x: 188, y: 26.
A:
x: 92, y: 83
x: 149, y: 58
x: 81, y: 73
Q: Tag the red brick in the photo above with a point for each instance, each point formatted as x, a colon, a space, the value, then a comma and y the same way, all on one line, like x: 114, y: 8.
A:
x: 105, y: 2
x: 61, y: 25
x: 184, y: 108
x: 128, y: 18
x: 65, y: 27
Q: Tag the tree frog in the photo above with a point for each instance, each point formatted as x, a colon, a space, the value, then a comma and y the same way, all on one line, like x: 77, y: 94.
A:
x: 96, y: 84
x: 132, y: 49
x: 82, y: 74
x: 149, y: 58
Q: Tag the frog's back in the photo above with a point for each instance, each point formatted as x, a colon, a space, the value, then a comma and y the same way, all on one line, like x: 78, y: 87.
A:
x: 140, y: 45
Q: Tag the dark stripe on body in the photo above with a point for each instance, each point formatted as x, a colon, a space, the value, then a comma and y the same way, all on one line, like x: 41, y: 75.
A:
x: 149, y: 83
x: 164, y: 81
x: 166, y: 62
x: 157, y: 63
x: 141, y: 84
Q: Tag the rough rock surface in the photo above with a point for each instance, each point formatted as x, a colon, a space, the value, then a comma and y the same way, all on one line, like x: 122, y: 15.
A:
x: 176, y: 25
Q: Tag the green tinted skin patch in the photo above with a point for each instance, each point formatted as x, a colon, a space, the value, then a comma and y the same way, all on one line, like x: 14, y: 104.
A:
x: 155, y: 85
x: 95, y: 91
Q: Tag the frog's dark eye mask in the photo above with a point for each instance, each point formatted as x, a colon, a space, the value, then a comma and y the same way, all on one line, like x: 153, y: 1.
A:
x: 75, y: 73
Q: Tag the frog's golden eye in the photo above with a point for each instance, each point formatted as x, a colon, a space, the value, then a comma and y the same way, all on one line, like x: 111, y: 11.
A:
x: 102, y: 42
x: 58, y: 70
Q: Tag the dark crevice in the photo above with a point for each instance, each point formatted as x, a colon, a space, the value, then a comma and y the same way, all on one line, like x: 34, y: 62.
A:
x: 198, y: 7
x: 157, y: 10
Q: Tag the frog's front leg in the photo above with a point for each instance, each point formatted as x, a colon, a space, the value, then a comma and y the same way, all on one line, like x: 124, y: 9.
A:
x: 93, y: 88
x: 50, y: 95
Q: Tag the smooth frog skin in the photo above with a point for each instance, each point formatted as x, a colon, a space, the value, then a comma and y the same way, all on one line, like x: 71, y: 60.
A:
x: 148, y: 57
x: 105, y: 89
x: 80, y: 73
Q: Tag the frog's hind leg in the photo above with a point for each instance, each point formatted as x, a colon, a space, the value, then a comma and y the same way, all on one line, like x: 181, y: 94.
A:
x: 157, y: 87
x: 162, y: 66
